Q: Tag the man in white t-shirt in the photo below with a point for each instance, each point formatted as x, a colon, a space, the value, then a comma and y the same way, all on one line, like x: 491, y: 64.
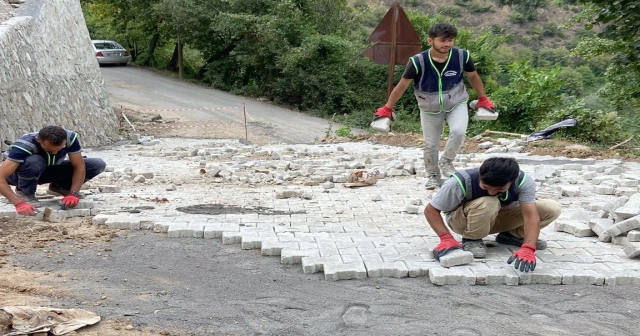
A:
x: 498, y: 198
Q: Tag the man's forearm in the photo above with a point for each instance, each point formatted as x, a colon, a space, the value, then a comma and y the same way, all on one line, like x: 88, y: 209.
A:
x: 78, y: 179
x: 6, y: 191
x: 435, y: 220
x: 476, y: 83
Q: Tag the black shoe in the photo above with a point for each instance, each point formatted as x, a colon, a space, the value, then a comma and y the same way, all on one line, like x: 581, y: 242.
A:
x: 475, y: 246
x: 507, y: 238
x: 56, y: 190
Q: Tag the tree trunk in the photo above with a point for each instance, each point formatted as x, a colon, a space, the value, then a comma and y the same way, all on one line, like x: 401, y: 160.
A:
x: 152, y: 48
x: 180, y: 60
x: 173, y: 63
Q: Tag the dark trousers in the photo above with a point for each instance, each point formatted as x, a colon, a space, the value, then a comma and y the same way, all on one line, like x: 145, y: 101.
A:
x: 34, y: 171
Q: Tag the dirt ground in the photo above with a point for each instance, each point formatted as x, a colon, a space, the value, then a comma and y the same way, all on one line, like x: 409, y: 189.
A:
x: 23, y: 286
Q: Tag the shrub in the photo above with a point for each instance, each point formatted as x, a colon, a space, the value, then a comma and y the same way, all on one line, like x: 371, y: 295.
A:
x: 593, y: 125
x: 451, y: 11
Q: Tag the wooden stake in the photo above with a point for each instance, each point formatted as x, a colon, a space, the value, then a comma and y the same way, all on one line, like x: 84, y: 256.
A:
x: 620, y: 144
x: 503, y: 133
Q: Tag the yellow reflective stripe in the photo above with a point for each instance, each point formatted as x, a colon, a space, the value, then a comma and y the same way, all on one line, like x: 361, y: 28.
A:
x: 464, y: 190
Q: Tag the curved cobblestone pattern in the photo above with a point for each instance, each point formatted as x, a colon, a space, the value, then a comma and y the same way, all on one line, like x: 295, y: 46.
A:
x: 49, y: 75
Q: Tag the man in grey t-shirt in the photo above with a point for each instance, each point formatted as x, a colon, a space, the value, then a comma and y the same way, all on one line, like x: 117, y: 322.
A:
x: 496, y: 198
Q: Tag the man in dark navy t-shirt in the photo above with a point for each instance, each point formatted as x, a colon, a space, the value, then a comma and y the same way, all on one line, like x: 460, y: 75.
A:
x: 53, y: 155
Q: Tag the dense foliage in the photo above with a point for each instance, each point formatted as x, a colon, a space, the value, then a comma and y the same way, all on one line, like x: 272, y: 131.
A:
x: 306, y: 54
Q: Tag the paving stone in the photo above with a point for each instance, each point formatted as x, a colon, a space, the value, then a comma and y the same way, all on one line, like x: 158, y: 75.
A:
x: 216, y: 231
x: 632, y: 249
x: 456, y: 258
x: 540, y: 276
x: 100, y: 219
x: 630, y: 209
x: 619, y: 240
x: 621, y: 278
x: 231, y: 237
x: 348, y: 271
x: 451, y: 276
x: 420, y: 268
x: 600, y: 227
x: 185, y: 230
x: 109, y: 189
x: 294, y: 256
x: 581, y: 277
x: 634, y: 236
x: 492, y: 276
x: 316, y: 264
x: 395, y: 269
x: 624, y: 226
x: 273, y: 247
x: 123, y: 223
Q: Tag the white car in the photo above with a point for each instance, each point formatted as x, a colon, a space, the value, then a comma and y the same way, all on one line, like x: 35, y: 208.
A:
x: 110, y: 52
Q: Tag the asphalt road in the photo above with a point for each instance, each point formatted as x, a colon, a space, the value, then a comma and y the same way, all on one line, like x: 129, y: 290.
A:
x: 137, y: 88
x: 201, y: 287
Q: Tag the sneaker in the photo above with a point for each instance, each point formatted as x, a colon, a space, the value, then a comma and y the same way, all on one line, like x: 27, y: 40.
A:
x: 507, y: 238
x: 476, y: 247
x: 59, y: 191
x: 433, y: 182
x: 29, y: 198
x: 446, y: 168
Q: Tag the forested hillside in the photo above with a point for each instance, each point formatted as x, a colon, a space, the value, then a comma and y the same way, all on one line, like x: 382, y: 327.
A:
x: 542, y: 61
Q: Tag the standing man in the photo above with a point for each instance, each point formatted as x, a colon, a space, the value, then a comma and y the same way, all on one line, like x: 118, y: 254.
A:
x: 39, y: 158
x: 442, y: 96
x: 496, y: 198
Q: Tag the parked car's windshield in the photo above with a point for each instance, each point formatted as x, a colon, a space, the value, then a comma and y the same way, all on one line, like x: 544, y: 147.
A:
x: 107, y: 45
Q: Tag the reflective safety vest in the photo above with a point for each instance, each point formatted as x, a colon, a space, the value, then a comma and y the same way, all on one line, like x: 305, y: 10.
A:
x: 469, y: 181
x: 28, y: 144
x: 438, y: 91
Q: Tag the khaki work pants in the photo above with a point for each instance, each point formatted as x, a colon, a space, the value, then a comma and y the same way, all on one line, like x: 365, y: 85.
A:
x: 481, y: 217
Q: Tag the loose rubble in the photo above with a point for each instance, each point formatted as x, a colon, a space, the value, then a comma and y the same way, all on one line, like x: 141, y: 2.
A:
x: 291, y: 201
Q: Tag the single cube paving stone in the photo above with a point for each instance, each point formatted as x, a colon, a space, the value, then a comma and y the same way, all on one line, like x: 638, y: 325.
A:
x: 455, y: 258
x: 630, y: 209
x: 347, y: 271
x: 451, y: 276
x: 599, y: 226
x: 634, y: 236
x: 230, y: 238
x: 252, y: 242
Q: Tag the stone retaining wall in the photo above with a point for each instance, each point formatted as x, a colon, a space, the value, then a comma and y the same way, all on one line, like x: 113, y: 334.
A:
x: 49, y: 75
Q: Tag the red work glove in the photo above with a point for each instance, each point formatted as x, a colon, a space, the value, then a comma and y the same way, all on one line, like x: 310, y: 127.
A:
x: 525, y: 258
x: 447, y: 243
x: 71, y: 200
x: 485, y: 103
x: 384, y: 112
x: 25, y: 209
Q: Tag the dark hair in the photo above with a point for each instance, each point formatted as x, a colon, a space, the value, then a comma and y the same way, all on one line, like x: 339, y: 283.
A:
x: 56, y: 135
x: 498, y: 171
x: 445, y: 30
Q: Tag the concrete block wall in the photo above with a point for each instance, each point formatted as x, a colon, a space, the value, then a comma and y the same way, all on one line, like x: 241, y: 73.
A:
x: 49, y: 75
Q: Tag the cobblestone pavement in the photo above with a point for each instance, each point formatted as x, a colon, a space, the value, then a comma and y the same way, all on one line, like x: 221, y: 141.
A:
x: 292, y: 201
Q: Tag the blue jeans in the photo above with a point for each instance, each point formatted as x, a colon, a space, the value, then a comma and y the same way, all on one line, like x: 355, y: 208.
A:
x: 34, y: 171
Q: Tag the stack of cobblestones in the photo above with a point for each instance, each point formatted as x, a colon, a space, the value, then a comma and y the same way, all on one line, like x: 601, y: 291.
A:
x: 290, y: 201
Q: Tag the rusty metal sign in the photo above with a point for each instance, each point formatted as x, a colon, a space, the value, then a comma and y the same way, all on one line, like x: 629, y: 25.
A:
x: 395, y: 41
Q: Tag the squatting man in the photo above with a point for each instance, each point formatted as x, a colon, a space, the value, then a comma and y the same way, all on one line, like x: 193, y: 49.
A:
x: 497, y: 198
x: 53, y: 155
